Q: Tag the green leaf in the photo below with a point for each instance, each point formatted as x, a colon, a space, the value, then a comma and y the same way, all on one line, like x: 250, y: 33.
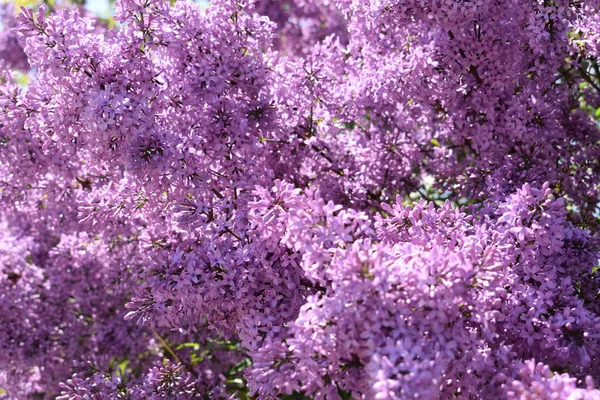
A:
x: 345, y: 395
x: 239, y: 367
x: 123, y: 366
x: 196, y: 346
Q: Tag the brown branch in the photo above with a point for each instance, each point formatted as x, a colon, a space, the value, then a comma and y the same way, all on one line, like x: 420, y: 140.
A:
x: 170, y: 350
x: 588, y: 79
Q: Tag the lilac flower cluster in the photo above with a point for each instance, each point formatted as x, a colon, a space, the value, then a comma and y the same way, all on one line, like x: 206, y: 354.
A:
x: 325, y: 199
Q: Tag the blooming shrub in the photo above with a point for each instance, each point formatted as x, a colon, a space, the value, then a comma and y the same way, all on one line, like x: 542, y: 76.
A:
x: 322, y: 199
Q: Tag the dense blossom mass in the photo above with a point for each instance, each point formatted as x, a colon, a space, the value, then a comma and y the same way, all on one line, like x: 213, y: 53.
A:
x: 300, y: 199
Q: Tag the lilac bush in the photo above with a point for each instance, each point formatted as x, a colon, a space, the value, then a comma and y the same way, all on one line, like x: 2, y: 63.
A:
x: 301, y: 199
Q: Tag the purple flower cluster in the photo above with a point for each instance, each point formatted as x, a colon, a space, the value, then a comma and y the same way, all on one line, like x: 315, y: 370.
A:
x: 324, y: 198
x: 11, y: 49
x: 437, y: 303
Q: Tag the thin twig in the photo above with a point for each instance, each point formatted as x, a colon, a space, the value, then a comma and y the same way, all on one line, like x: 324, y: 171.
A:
x: 588, y: 79
x: 173, y: 354
x: 232, y: 233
